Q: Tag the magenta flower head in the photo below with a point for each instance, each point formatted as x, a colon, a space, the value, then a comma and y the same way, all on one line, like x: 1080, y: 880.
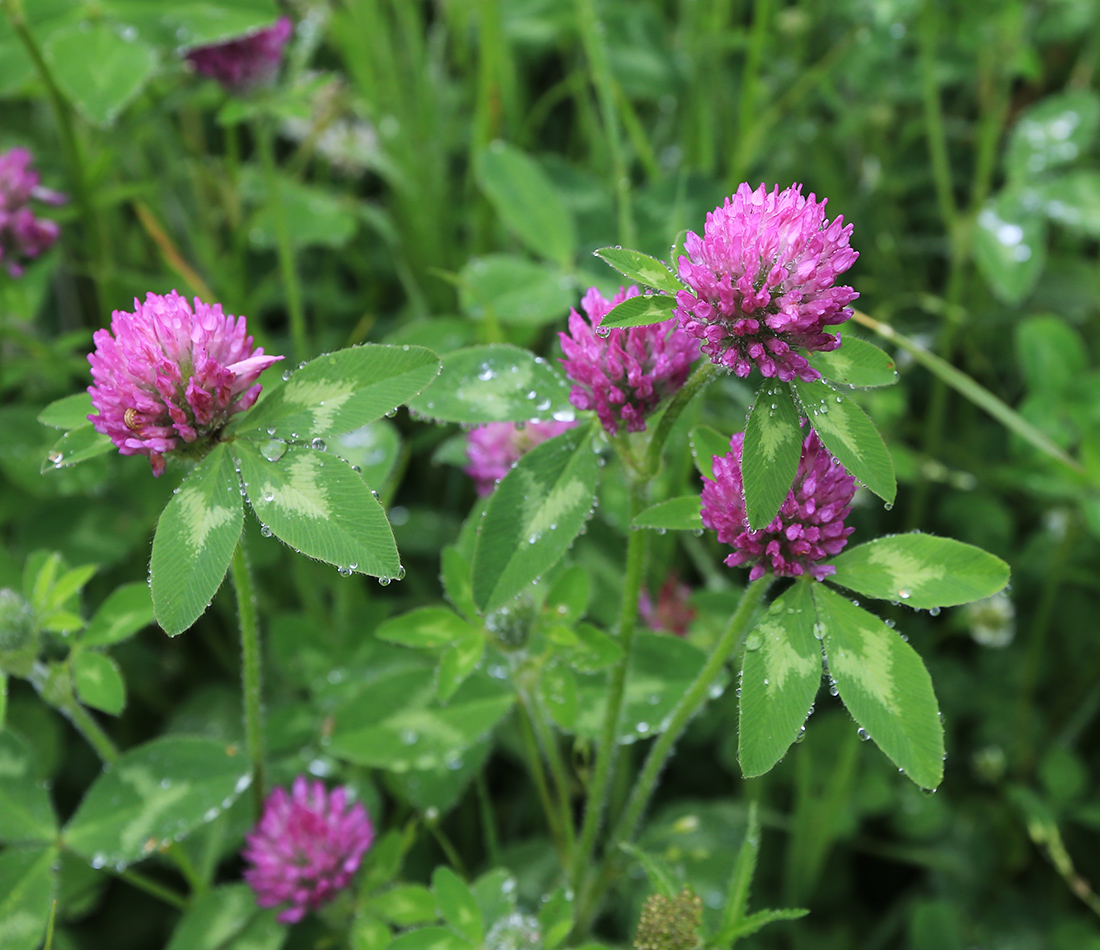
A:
x: 673, y: 612
x: 763, y: 280
x: 246, y: 62
x: 623, y: 374
x: 167, y: 378
x: 23, y: 236
x: 809, y: 526
x: 495, y: 448
x: 305, y: 847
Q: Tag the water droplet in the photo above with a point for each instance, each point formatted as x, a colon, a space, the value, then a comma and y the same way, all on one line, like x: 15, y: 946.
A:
x: 344, y: 571
x: 273, y: 450
x: 863, y: 734
x: 265, y: 531
x: 409, y: 736
x: 318, y: 444
x: 753, y: 641
x: 905, y: 593
x: 934, y: 611
x: 385, y: 581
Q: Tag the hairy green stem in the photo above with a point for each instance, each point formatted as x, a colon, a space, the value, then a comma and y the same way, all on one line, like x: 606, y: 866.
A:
x: 732, y: 638
x: 538, y: 774
x: 265, y: 136
x: 488, y: 819
x: 159, y: 891
x: 607, y: 750
x: 549, y: 743
x: 53, y: 683
x: 251, y: 688
x: 595, y: 49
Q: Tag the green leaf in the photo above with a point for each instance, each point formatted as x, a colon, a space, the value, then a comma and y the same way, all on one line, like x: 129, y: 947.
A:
x: 884, y: 684
x: 556, y: 918
x: 196, y: 535
x: 770, y: 453
x: 442, y: 787
x: 567, y: 599
x: 526, y: 201
x: 641, y: 268
x: 537, y: 510
x: 28, y: 884
x: 1051, y: 353
x: 640, y: 311
x: 744, y: 870
x: 1010, y: 246
x: 430, y: 938
x: 405, y: 905
x: 26, y: 813
x: 661, y: 670
x: 855, y: 363
x: 707, y: 442
x: 426, y: 628
x: 342, y: 391
x: 596, y: 651
x: 762, y: 918
x: 920, y: 570
x: 154, y: 795
x: 372, y: 448
x: 779, y: 680
x: 98, y: 681
x: 675, y: 514
x: 495, y: 383
x: 70, y: 412
x: 457, y: 662
x: 191, y: 23
x: 1055, y: 131
x: 558, y: 688
x: 455, y: 574
x: 396, y: 723
x: 315, y: 503
x: 315, y: 216
x: 456, y: 905
x: 98, y: 69
x: 227, y: 918
x: 127, y: 610
x: 68, y: 587
x: 515, y: 291
x: 75, y: 446
x: 850, y: 436
x: 1073, y: 201
x: 369, y: 933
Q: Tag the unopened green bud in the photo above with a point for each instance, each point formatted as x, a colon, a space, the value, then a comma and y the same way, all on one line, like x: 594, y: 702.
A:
x: 669, y: 923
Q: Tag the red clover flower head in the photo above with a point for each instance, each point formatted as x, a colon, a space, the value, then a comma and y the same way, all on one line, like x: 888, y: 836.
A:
x: 246, y: 62
x: 495, y: 447
x: 623, y: 374
x: 763, y: 280
x: 305, y: 847
x: 809, y: 526
x: 673, y: 612
x: 22, y: 235
x: 166, y: 376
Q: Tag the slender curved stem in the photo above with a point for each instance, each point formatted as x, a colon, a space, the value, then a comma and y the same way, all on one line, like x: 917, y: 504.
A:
x: 688, y: 707
x: 265, y: 137
x: 251, y: 688
x: 549, y: 744
x: 157, y: 890
x: 54, y: 685
x: 702, y: 376
x: 538, y: 774
x: 607, y: 750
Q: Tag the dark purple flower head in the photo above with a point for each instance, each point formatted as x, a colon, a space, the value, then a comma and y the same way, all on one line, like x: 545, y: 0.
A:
x: 23, y: 236
x: 624, y: 374
x: 495, y: 447
x: 763, y: 280
x: 246, y: 62
x: 809, y: 526
x: 305, y: 848
x: 166, y: 375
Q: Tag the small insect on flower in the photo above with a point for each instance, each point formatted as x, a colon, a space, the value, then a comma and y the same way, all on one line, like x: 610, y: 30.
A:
x: 130, y: 418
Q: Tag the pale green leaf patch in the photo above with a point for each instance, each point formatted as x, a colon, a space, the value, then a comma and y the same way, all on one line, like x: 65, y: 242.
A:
x: 194, y: 541
x: 339, y: 392
x: 534, y: 515
x: 642, y: 311
x: 849, y: 435
x: 884, y: 684
x: 780, y: 678
x: 922, y: 571
x: 772, y: 448
x: 641, y: 268
x: 495, y: 383
x: 316, y: 503
x: 153, y: 795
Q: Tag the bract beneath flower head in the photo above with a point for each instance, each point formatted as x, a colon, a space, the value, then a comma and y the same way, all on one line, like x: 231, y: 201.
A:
x: 167, y: 376
x: 809, y: 526
x: 763, y: 281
